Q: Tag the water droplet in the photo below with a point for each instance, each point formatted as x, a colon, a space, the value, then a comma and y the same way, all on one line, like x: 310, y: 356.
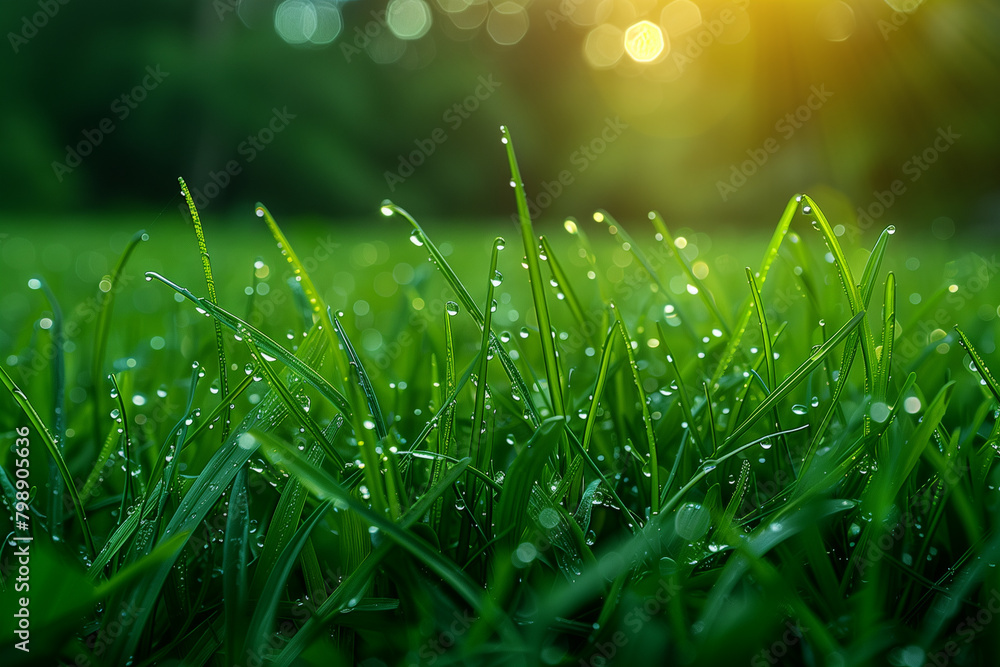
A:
x: 451, y: 307
x: 799, y: 409
x: 497, y: 279
x: 415, y: 238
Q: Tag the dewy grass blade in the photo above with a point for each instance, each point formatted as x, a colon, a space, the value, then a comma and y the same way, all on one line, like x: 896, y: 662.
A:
x: 50, y: 444
x: 350, y: 589
x: 204, y: 493
x: 54, y: 504
x: 653, y: 461
x: 772, y: 378
x: 531, y: 254
x: 599, y: 384
x: 883, y: 371
x: 746, y: 310
x: 235, y: 554
x: 292, y: 404
x: 321, y: 483
x: 354, y: 361
x: 980, y: 366
x: 365, y: 425
x: 421, y: 238
x: 794, y: 379
x: 480, y: 458
x: 301, y: 276
x: 206, y: 265
x: 266, y: 345
x: 565, y: 288
x: 851, y: 289
x: 284, y: 521
x: 106, y: 304
x: 685, y: 400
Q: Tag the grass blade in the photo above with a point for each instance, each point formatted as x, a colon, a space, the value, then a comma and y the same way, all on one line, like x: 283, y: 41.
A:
x: 206, y: 265
x: 50, y: 444
x: 531, y: 253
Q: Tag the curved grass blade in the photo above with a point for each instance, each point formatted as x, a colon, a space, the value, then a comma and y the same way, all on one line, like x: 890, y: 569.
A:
x: 206, y: 265
x: 301, y: 276
x: 364, y: 382
x: 266, y: 345
x: 291, y: 402
x: 50, y: 444
x: 205, y: 492
x: 520, y: 387
x: 599, y: 384
x: 772, y: 378
x: 523, y: 473
x: 325, y: 487
x: 851, y: 289
x: 365, y: 425
x: 981, y: 367
x: 770, y: 254
x: 352, y: 587
x: 794, y: 379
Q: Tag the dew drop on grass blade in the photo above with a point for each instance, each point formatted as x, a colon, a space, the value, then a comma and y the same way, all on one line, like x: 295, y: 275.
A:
x: 206, y: 265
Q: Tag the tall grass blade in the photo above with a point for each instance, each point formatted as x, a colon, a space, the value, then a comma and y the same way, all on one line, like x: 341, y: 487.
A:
x: 206, y: 265
x: 531, y: 253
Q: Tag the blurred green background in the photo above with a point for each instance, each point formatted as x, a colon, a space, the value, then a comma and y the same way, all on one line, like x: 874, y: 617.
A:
x: 322, y: 109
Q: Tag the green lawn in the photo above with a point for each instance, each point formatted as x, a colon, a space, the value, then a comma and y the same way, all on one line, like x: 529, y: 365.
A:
x: 700, y: 465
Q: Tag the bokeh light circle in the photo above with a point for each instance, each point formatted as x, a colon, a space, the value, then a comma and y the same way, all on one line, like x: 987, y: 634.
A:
x: 645, y: 41
x: 295, y: 21
x: 604, y: 46
x: 507, y: 23
x: 408, y: 19
x: 836, y: 21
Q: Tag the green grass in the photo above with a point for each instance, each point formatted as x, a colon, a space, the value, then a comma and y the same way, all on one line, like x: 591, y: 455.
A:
x: 636, y: 444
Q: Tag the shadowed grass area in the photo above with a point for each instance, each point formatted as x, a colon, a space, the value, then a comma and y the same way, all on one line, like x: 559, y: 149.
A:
x: 654, y: 445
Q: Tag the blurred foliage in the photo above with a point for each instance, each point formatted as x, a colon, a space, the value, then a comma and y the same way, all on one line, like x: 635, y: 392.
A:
x: 895, y: 80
